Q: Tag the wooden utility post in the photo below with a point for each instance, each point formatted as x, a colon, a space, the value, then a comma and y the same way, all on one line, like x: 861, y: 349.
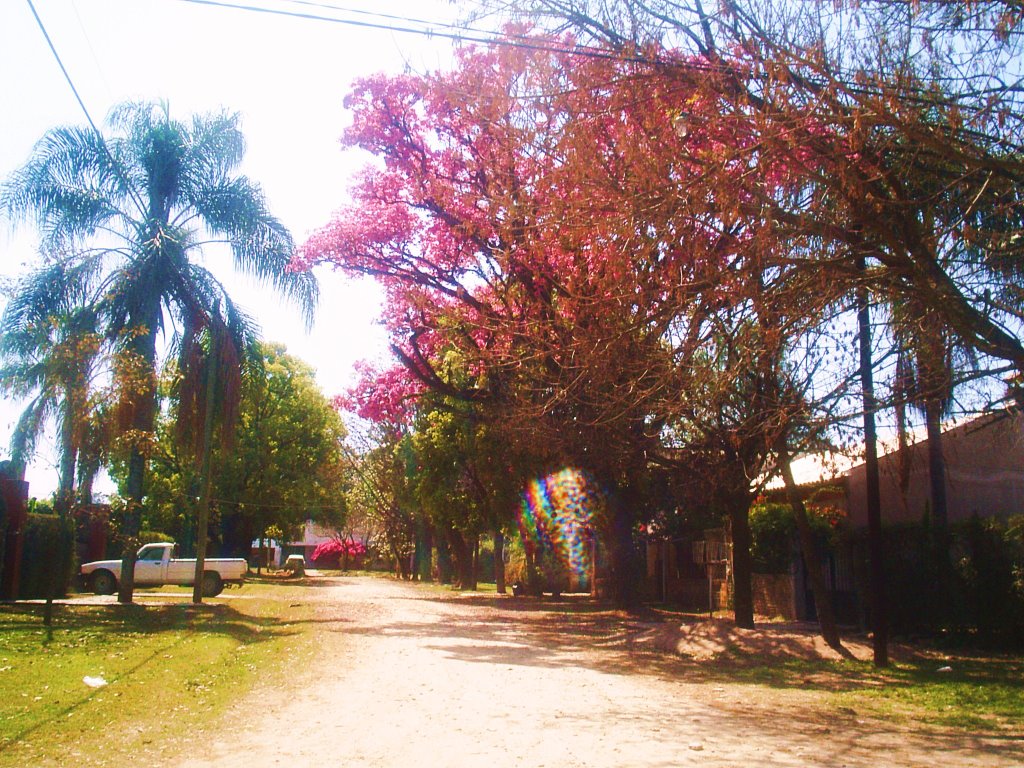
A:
x: 204, y: 494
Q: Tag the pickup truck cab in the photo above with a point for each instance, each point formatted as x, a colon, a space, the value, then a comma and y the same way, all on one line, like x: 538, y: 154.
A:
x: 156, y: 565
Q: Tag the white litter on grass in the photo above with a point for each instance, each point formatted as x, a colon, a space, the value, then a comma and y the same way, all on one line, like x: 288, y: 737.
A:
x: 94, y: 682
x: 944, y: 669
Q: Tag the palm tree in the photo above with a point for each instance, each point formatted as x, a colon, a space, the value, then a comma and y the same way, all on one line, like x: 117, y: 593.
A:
x: 135, y: 208
x: 48, y: 348
x: 928, y: 358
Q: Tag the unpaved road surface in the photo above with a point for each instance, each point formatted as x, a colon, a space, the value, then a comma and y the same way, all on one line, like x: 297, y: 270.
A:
x: 416, y: 677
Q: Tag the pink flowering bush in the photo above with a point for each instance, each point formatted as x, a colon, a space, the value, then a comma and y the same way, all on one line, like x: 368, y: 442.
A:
x: 339, y: 553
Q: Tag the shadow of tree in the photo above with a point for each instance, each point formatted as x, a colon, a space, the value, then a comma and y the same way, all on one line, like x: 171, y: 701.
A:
x: 169, y: 625
x: 577, y: 631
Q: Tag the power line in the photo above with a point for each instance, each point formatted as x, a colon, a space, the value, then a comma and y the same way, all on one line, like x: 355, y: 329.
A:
x: 103, y: 143
x: 465, y: 34
x: 468, y: 34
x: 71, y: 84
x: 377, y: 14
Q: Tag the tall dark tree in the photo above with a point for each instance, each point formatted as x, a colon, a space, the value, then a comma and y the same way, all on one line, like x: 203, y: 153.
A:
x: 136, y: 207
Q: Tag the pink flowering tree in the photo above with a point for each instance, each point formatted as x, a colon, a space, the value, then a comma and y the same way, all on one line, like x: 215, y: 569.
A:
x: 555, y: 222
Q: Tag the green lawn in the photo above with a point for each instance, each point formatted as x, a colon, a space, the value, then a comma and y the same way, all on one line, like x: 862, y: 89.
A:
x: 977, y: 693
x: 170, y: 669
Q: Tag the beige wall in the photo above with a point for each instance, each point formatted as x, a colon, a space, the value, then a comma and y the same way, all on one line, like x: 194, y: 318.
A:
x: 984, y: 474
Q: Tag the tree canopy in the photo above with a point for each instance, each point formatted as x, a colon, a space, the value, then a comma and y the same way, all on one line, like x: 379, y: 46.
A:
x: 282, y: 467
x: 128, y: 212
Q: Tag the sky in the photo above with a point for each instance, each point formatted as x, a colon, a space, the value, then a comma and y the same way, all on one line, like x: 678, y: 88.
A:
x: 286, y: 77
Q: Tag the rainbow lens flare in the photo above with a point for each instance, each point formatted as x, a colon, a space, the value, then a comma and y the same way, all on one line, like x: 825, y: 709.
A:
x: 555, y: 515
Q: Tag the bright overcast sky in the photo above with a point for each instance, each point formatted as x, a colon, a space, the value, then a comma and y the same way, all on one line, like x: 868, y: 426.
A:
x: 286, y: 76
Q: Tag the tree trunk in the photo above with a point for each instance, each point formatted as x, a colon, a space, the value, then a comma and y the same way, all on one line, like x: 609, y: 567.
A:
x: 499, y: 562
x: 403, y: 566
x: 622, y: 566
x: 463, y: 558
x: 426, y: 569
x: 474, y: 563
x: 939, y: 513
x: 742, y: 563
x: 421, y: 551
x: 62, y: 504
x: 534, y: 581
x: 143, y: 417
x: 876, y: 554
x: 444, y: 561
x: 822, y: 599
x: 936, y: 463
x: 68, y: 456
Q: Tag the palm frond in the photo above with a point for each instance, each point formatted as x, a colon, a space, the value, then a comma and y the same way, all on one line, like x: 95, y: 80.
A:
x: 69, y: 187
x: 27, y: 430
x: 261, y: 245
x: 215, y: 149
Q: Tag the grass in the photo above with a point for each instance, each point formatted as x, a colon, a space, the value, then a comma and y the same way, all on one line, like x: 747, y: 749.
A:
x: 170, y: 668
x: 975, y: 693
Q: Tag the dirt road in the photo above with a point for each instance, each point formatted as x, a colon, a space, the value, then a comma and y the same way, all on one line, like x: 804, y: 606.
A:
x: 415, y: 677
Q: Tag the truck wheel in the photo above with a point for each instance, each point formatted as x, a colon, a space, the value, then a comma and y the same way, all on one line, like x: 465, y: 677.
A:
x: 212, y: 584
x: 103, y: 583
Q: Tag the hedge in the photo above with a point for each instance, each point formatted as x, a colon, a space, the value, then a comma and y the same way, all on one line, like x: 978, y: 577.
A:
x: 48, y: 556
x: 967, y: 583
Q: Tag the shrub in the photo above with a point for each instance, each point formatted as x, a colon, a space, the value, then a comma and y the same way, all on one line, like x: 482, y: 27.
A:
x: 774, y: 535
x: 48, y: 556
x: 338, y: 553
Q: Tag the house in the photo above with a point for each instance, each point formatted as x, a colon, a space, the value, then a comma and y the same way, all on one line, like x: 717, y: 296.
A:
x: 984, y: 474
x: 276, y: 552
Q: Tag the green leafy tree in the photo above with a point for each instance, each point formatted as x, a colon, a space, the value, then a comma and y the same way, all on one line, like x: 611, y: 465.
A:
x: 283, y: 466
x: 381, y: 496
x: 135, y: 208
x: 467, y: 478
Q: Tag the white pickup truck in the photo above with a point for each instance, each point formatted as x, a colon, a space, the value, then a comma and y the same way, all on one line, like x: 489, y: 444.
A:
x: 156, y: 565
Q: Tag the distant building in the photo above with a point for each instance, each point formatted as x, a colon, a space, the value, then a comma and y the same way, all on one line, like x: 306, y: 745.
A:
x: 984, y: 474
x: 276, y: 552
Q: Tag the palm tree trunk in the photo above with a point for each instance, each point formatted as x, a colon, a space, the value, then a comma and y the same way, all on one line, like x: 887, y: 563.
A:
x: 68, y: 458
x: 203, y: 523
x: 876, y: 562
x: 62, y: 504
x: 936, y: 463
x: 143, y: 418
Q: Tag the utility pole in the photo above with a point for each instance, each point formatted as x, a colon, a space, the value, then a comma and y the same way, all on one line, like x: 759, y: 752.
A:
x: 204, y: 498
